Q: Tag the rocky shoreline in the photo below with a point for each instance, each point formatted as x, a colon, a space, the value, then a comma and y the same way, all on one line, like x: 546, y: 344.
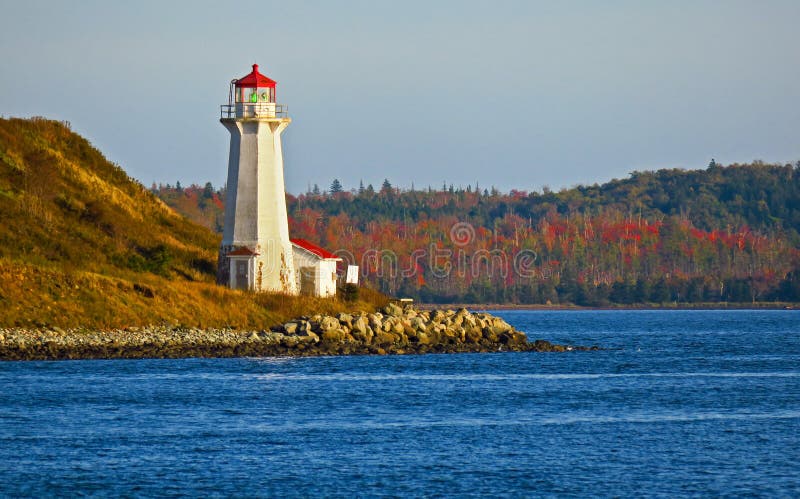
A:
x: 394, y: 330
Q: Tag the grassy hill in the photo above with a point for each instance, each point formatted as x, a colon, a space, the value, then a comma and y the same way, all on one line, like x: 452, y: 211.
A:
x: 84, y: 245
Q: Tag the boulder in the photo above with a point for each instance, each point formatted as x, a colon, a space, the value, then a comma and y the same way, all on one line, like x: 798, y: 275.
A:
x: 489, y: 334
x: 360, y: 324
x: 363, y: 336
x: 418, y: 323
x: 433, y: 336
x: 398, y: 327
x: 383, y: 338
x: 328, y: 323
x: 274, y: 338
x: 333, y: 336
x: 290, y: 341
x: 309, y: 337
x: 345, y: 319
x: 500, y: 326
x: 290, y: 327
x: 423, y: 339
x: 513, y: 338
x: 375, y: 321
x: 473, y: 335
x: 447, y: 333
x: 393, y: 310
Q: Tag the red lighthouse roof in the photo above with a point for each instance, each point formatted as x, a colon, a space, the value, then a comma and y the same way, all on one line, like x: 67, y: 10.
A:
x: 254, y: 80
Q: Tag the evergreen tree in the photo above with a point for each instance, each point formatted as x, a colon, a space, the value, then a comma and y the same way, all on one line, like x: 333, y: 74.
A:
x: 208, y: 190
x: 660, y: 292
x: 315, y: 191
x: 336, y: 186
x: 386, y: 188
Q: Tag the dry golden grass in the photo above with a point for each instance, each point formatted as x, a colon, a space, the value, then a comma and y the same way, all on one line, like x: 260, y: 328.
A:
x: 33, y: 296
x: 83, y: 245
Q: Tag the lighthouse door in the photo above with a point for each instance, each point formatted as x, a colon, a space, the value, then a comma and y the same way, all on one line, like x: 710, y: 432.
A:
x: 242, y: 281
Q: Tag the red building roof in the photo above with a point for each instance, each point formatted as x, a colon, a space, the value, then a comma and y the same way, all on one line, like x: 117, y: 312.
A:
x: 254, y: 80
x: 313, y: 248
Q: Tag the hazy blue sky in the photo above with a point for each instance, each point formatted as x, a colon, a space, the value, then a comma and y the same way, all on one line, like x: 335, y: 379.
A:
x: 512, y: 94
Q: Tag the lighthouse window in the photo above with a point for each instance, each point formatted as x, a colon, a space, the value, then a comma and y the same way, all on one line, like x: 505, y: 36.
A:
x: 253, y: 96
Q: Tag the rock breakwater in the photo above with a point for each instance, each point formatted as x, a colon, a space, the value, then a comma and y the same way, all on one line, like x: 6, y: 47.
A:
x: 394, y: 330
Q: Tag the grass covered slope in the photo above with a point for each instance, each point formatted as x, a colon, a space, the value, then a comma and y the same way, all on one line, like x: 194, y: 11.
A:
x: 84, y: 245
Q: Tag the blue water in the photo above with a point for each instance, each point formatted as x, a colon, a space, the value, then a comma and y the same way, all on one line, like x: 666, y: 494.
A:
x: 686, y: 403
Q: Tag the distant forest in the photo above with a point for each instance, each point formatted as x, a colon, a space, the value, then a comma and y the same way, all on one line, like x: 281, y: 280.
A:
x: 723, y: 234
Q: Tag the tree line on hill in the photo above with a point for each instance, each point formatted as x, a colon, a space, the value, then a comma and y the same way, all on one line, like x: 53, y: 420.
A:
x: 723, y: 234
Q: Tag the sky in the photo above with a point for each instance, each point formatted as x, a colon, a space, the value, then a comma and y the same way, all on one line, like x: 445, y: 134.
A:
x: 516, y: 95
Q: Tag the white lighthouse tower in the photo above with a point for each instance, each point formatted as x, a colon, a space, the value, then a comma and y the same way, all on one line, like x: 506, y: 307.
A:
x: 256, y: 253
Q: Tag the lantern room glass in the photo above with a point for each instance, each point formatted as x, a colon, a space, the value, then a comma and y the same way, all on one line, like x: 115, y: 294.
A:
x: 254, y: 95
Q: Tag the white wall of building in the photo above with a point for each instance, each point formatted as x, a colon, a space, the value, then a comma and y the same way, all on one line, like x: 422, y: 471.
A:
x: 327, y: 278
x: 315, y: 275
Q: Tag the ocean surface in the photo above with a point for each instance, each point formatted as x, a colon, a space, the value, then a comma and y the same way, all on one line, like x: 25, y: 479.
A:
x: 683, y: 403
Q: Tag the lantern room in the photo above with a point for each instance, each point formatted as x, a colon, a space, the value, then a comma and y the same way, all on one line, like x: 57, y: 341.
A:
x: 252, y: 96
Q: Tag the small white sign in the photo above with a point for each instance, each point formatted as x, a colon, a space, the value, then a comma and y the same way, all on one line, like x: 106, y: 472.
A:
x: 352, y: 274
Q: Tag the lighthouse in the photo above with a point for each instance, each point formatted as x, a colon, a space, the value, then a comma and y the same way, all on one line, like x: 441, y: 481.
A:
x: 256, y: 253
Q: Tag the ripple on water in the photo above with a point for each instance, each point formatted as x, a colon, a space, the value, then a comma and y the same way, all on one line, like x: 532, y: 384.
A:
x: 687, y: 404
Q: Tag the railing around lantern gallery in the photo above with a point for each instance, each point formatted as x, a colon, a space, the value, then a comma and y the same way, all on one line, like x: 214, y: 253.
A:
x: 253, y: 110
